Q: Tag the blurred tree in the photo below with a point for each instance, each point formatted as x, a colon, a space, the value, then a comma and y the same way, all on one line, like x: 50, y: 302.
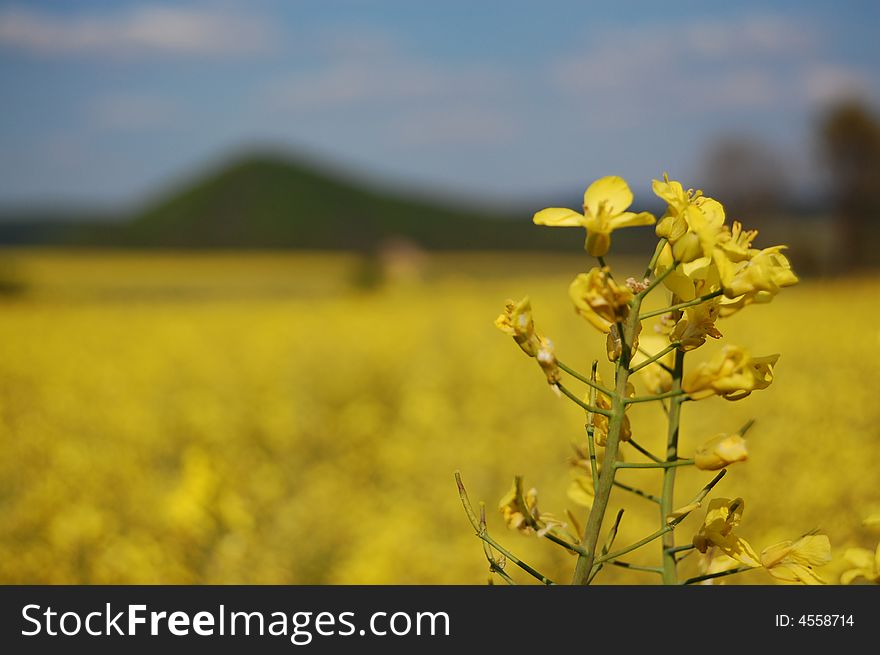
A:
x: 850, y: 140
x: 747, y: 176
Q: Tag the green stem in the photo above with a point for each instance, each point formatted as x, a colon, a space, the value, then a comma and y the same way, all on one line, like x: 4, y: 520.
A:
x: 482, y: 533
x: 578, y: 401
x: 654, y: 465
x: 679, y: 549
x: 578, y: 376
x: 660, y: 355
x: 709, y: 576
x: 495, y: 568
x: 644, y: 451
x: 591, y: 443
x: 657, y: 280
x: 676, y: 392
x: 657, y: 252
x: 637, y: 492
x: 670, y: 575
x: 584, y: 565
x: 682, y: 305
x: 636, y: 567
x: 666, y: 368
x: 641, y: 542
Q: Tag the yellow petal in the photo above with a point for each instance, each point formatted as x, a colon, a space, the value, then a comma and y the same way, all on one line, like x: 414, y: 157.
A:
x: 740, y: 550
x: 861, y: 558
x: 610, y: 193
x: 872, y: 520
x: 631, y: 219
x: 813, y: 549
x: 848, y: 576
x: 558, y: 217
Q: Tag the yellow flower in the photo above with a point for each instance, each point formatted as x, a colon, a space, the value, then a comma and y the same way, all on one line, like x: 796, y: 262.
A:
x: 697, y: 323
x: 614, y: 343
x: 737, y: 243
x: 672, y: 224
x: 715, y: 562
x: 720, y: 451
x: 516, y: 320
x: 600, y: 423
x: 521, y: 512
x: 793, y: 562
x: 689, y: 280
x: 872, y: 520
x: 605, y: 203
x: 599, y: 299
x: 722, y: 516
x: 732, y: 374
x: 866, y: 563
x: 757, y: 279
x: 706, y: 220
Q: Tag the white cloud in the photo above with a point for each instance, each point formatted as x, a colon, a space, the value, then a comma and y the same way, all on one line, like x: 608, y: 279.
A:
x: 353, y: 82
x: 133, y: 112
x: 457, y: 125
x: 140, y: 30
x: 825, y: 83
x: 755, y: 63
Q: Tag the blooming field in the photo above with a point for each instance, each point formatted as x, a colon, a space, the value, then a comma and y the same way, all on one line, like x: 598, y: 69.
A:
x: 267, y: 419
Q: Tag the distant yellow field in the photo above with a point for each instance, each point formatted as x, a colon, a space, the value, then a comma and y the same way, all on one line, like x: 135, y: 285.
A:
x: 272, y: 418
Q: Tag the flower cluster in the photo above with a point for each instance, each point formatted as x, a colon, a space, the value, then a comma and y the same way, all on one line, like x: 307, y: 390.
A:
x: 709, y: 270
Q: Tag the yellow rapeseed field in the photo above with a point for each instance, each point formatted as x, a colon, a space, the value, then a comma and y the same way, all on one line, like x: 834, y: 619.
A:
x: 270, y: 418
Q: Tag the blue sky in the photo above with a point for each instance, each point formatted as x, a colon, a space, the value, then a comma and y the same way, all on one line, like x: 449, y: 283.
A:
x: 108, y: 102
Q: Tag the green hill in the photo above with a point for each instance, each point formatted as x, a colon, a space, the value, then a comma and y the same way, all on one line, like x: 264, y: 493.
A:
x: 271, y: 202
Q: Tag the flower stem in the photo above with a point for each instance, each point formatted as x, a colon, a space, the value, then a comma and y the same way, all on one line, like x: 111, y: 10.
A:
x: 583, y: 378
x: 584, y: 566
x: 660, y: 355
x: 637, y: 492
x: 667, y: 496
x: 578, y: 401
x: 682, y: 305
x: 675, y: 393
x: 654, y: 465
x: 721, y: 574
x: 644, y: 451
x: 482, y: 533
x: 635, y: 567
x: 657, y: 280
x: 657, y: 252
x: 591, y: 444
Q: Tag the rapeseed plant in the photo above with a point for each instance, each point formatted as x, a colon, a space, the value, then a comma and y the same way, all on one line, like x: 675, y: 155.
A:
x: 708, y: 271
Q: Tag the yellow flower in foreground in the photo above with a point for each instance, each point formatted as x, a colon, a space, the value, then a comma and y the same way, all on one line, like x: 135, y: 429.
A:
x: 672, y: 224
x: 697, y: 324
x: 605, y: 203
x: 599, y: 299
x: 732, y: 374
x: 866, y: 563
x: 516, y: 320
x: 793, y: 562
x: 521, y: 513
x: 720, y: 451
x: 722, y: 516
x: 600, y: 422
x: 759, y: 278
